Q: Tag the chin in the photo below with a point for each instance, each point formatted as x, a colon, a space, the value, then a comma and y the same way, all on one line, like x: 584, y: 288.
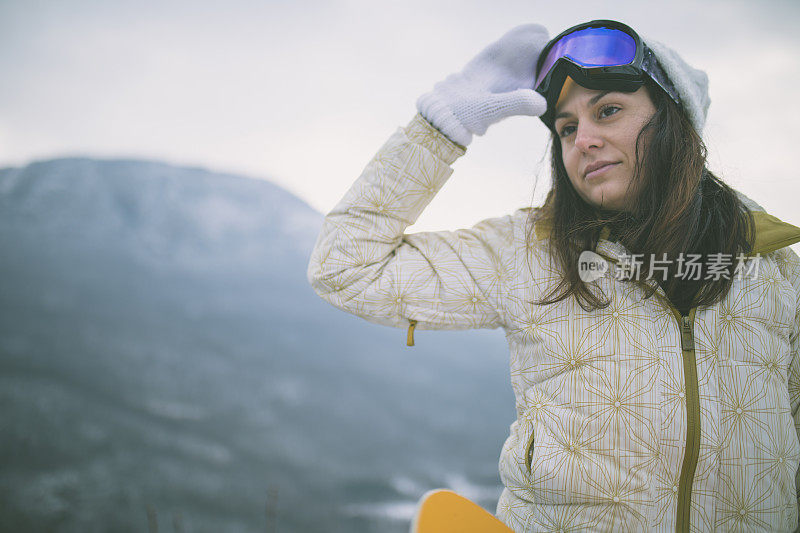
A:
x: 604, y: 200
x: 614, y: 206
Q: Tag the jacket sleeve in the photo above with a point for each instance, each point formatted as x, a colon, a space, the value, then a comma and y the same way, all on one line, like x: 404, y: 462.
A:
x: 789, y: 265
x: 365, y: 264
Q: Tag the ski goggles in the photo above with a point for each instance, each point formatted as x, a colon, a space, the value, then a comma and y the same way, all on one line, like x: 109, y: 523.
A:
x: 600, y: 55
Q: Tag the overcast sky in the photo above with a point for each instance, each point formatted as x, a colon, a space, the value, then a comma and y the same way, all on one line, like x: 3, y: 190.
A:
x: 303, y: 93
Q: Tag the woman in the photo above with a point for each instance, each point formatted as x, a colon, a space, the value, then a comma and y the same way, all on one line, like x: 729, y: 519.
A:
x: 645, y: 402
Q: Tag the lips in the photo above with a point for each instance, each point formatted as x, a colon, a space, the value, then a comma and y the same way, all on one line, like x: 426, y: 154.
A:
x: 598, y: 165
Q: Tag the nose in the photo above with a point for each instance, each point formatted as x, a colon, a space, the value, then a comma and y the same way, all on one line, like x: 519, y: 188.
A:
x: 588, y: 136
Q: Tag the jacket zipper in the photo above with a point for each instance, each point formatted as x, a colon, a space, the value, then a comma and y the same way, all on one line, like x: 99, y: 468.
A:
x: 529, y: 450
x: 692, y: 397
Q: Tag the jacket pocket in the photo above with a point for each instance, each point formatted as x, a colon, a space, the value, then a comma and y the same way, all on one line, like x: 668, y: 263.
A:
x: 529, y: 450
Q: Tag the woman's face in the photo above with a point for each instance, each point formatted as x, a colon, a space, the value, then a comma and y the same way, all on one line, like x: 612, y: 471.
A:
x: 598, y: 131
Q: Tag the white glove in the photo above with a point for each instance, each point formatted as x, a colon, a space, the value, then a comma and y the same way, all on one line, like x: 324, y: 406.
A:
x: 495, y: 84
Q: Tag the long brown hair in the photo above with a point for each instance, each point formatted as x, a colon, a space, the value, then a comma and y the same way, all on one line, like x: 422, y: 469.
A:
x: 680, y: 207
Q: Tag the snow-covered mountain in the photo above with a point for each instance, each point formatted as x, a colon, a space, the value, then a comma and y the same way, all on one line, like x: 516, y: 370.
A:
x: 164, y: 361
x: 181, y: 217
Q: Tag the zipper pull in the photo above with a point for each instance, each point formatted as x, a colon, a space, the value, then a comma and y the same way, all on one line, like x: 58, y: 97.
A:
x: 410, y: 340
x: 687, y: 339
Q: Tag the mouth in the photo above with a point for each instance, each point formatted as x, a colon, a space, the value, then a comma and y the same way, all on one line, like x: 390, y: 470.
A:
x: 596, y: 169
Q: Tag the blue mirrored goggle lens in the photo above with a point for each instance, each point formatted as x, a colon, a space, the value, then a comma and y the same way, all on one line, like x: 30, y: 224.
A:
x: 591, y: 47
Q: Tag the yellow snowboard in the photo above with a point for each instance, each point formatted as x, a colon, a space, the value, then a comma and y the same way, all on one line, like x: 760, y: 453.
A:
x: 444, y: 511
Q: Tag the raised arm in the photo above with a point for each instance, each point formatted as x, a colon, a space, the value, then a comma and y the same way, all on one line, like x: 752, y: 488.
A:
x: 365, y: 264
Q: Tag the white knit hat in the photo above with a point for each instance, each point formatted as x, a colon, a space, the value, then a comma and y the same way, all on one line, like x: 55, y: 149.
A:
x: 691, y: 83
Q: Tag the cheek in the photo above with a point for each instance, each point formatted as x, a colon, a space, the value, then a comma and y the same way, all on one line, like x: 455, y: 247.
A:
x: 630, y: 140
x: 625, y: 145
x: 570, y: 163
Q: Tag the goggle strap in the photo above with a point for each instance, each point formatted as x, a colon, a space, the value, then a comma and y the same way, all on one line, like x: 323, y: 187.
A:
x: 653, y: 68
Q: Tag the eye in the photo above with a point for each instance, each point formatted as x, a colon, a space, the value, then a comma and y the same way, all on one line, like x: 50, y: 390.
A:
x: 566, y: 131
x: 607, y: 111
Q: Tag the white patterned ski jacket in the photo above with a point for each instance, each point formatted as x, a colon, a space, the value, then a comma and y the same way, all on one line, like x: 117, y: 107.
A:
x: 630, y: 418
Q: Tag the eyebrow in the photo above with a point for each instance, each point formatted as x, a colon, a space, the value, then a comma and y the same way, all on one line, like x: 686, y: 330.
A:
x: 593, y: 100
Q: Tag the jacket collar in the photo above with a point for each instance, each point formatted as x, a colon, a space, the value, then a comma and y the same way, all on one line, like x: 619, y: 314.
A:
x: 771, y: 233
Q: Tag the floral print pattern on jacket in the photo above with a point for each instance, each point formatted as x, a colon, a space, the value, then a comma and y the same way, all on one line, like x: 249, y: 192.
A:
x: 629, y: 418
